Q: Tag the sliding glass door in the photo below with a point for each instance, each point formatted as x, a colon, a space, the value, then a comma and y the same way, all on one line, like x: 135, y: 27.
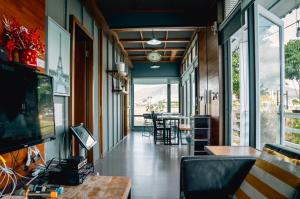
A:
x: 269, y: 77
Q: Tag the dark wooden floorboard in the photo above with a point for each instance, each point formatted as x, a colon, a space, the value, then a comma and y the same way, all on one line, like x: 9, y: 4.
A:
x: 154, y: 169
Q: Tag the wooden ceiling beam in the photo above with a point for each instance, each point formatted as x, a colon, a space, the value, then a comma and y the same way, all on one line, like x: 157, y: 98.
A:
x: 162, y: 61
x: 170, y: 29
x: 173, y: 55
x: 152, y: 49
x: 93, y: 9
x: 165, y: 46
x: 143, y: 44
x: 144, y: 56
x: 146, y: 10
x: 176, y: 40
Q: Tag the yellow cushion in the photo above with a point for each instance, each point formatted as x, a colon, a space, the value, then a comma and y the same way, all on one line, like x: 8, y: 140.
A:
x: 273, y: 176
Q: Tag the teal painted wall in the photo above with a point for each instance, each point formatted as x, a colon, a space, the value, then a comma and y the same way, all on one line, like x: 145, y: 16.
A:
x: 60, y: 10
x: 167, y: 69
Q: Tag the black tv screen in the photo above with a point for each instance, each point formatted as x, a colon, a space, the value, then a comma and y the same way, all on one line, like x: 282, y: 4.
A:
x: 26, y: 107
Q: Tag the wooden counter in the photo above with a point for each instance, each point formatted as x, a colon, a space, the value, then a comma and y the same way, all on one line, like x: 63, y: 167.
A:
x: 232, y: 150
x: 96, y: 187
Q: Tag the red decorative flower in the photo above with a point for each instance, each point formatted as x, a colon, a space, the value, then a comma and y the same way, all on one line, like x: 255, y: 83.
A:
x: 22, y: 37
x: 10, y: 46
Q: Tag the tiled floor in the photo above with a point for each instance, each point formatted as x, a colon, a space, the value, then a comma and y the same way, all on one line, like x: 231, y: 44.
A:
x: 154, y: 169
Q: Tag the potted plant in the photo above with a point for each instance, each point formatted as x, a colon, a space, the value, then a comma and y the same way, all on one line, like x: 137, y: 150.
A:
x: 26, y: 42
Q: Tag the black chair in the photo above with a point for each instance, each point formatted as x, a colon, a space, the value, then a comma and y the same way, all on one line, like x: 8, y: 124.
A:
x: 212, y: 176
x: 148, y: 125
x: 159, y: 131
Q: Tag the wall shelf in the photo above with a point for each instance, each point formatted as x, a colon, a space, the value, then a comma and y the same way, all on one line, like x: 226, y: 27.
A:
x: 115, y: 74
x: 119, y: 81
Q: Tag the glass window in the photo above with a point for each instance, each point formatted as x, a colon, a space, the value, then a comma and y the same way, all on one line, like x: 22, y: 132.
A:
x: 268, y: 53
x: 174, y: 98
x: 149, y: 98
x: 292, y: 80
x: 193, y: 104
x: 188, y: 97
x: 184, y: 100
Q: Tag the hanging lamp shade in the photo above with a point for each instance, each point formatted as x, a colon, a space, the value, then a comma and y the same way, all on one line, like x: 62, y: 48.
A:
x: 154, y: 42
x: 155, y: 67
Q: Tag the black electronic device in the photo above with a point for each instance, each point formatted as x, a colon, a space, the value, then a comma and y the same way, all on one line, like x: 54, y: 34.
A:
x: 26, y: 107
x: 73, y: 163
x: 84, y: 136
x: 63, y: 176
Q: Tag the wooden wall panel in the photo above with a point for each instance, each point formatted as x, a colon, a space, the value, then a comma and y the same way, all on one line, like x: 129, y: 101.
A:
x: 202, y: 70
x: 213, y: 84
x: 209, y: 79
x: 31, y: 14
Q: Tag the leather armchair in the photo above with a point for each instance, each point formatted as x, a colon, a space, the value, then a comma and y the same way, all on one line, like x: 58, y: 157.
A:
x: 212, y: 176
x: 219, y: 177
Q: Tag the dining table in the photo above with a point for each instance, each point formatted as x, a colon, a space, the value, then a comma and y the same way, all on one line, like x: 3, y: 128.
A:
x: 176, y: 119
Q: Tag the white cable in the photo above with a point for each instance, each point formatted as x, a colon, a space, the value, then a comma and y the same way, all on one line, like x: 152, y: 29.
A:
x: 7, y: 180
x: 10, y: 175
x: 20, y: 175
x: 5, y: 177
x: 38, y: 153
x: 1, y: 175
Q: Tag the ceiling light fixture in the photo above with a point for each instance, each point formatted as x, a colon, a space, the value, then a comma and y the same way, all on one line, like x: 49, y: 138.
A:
x: 153, y: 41
x: 155, y: 67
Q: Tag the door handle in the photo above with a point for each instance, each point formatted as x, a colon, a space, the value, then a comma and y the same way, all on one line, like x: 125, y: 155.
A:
x: 277, y: 98
x: 287, y: 99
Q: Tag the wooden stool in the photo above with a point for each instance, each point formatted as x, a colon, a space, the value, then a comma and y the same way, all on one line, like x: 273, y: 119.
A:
x: 183, y: 128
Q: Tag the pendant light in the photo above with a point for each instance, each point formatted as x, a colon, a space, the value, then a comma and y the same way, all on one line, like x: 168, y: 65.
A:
x: 153, y: 41
x: 155, y: 66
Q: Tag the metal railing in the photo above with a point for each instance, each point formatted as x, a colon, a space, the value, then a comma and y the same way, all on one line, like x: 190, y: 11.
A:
x: 291, y: 130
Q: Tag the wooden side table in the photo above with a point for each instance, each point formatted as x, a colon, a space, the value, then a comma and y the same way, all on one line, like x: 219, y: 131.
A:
x: 232, y: 150
x: 104, y: 187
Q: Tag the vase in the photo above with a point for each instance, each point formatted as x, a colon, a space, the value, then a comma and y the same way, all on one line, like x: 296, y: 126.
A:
x: 121, y: 67
x: 28, y: 57
x: 16, y: 55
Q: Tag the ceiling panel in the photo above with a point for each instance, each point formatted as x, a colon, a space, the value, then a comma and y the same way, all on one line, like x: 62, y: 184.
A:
x: 173, y: 22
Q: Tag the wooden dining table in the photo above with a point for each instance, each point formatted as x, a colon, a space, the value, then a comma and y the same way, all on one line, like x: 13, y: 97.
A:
x: 232, y: 150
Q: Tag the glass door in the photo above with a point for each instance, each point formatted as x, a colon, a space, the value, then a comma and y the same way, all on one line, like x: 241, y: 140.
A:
x: 239, y: 88
x: 269, y: 76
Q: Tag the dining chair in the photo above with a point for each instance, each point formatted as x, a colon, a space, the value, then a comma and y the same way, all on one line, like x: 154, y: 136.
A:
x: 148, y: 125
x: 184, y: 129
x: 160, y: 133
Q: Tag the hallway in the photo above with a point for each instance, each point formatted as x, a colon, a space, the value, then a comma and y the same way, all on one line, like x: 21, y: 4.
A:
x: 154, y: 169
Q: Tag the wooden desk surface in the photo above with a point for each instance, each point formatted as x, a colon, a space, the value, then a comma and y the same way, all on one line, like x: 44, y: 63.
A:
x: 232, y: 150
x: 96, y: 187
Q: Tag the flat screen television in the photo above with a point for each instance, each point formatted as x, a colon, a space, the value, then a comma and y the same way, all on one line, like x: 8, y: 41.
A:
x: 26, y: 107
